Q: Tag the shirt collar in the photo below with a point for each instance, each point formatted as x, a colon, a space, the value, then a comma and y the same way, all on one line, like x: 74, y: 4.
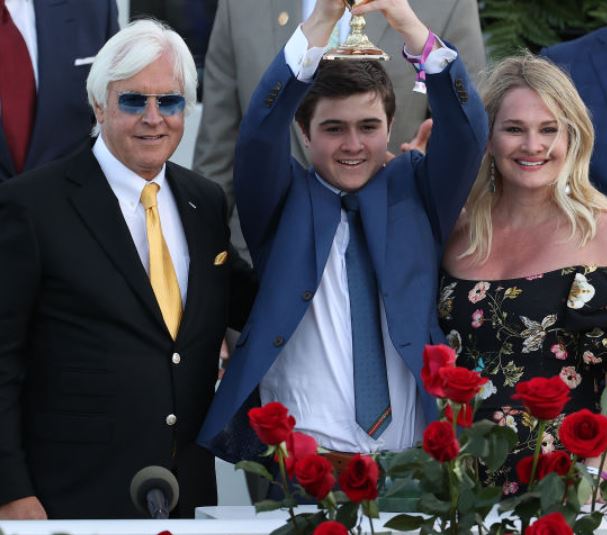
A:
x: 327, y: 185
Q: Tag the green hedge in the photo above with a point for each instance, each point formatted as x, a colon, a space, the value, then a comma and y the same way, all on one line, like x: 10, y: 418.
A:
x: 510, y: 25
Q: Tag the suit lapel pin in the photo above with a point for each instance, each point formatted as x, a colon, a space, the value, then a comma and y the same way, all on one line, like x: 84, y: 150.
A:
x: 192, y: 204
x: 220, y: 258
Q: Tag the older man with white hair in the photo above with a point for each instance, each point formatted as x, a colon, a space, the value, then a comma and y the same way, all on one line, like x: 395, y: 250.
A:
x: 117, y: 284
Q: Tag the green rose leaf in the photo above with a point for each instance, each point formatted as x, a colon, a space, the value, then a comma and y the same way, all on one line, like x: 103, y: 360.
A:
x: 347, y: 514
x: 587, y: 524
x: 254, y: 468
x: 405, y: 522
x: 267, y: 505
x: 429, y: 503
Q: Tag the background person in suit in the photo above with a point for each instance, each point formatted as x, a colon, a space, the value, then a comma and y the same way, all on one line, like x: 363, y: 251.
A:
x: 300, y: 345
x: 248, y: 34
x: 585, y: 59
x: 56, y: 43
x: 113, y: 309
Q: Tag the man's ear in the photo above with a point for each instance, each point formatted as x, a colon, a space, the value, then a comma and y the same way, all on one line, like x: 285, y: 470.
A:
x: 99, y: 112
x: 390, y: 128
x: 304, y: 134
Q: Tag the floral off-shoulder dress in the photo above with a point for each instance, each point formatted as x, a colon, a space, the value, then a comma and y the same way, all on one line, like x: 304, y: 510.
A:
x: 548, y: 324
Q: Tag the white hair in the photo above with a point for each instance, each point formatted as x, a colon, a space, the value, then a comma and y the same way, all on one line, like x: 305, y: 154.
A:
x: 131, y: 50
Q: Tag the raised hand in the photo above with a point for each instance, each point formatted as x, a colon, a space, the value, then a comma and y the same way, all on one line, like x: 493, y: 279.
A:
x: 319, y: 25
x: 401, y: 17
x: 420, y: 141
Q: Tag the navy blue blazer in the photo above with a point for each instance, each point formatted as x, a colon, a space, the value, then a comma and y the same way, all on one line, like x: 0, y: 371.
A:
x: 289, y: 221
x: 585, y: 59
x: 66, y: 30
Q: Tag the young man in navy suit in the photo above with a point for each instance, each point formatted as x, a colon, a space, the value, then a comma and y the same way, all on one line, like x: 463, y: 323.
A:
x: 337, y: 278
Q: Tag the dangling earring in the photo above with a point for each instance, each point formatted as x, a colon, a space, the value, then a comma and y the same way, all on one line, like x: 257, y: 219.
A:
x: 567, y: 189
x: 492, y: 176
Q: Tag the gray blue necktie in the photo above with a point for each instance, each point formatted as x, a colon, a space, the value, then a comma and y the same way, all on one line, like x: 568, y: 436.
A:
x: 373, y: 411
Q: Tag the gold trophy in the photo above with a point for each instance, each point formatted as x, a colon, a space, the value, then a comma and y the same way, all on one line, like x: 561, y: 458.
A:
x: 357, y: 45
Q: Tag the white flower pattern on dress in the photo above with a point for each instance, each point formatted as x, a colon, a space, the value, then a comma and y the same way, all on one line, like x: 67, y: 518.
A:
x: 581, y: 292
x: 535, y: 332
x: 487, y: 390
x: 590, y: 358
x: 547, y: 443
x: 570, y: 377
x: 477, y: 318
x: 454, y: 339
x: 479, y: 292
x: 560, y: 351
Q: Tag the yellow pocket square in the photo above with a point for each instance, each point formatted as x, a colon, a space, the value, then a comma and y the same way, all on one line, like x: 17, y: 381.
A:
x: 220, y: 258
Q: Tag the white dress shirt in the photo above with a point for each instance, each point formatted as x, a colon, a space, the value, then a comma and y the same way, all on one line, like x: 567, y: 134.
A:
x: 23, y: 15
x: 127, y: 186
x: 314, y: 375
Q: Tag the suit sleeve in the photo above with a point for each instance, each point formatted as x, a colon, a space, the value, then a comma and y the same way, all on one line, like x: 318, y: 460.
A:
x: 459, y: 137
x: 463, y: 28
x: 221, y: 113
x: 19, y: 283
x: 263, y: 167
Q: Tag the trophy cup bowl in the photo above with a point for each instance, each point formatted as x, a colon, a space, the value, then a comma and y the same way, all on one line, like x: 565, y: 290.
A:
x: 357, y: 45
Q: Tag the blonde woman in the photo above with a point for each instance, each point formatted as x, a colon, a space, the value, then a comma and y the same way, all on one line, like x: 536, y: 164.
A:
x: 524, y: 284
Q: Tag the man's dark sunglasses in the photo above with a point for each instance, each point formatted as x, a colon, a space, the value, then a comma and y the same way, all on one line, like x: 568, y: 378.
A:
x: 134, y: 103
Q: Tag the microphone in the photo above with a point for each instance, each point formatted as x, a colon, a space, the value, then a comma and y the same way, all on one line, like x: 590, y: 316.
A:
x: 155, y: 491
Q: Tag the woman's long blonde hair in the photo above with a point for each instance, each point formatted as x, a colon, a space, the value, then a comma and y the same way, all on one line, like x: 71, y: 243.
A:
x: 572, y: 191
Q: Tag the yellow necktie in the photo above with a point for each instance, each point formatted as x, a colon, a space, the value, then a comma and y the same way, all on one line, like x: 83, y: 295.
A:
x: 162, y: 273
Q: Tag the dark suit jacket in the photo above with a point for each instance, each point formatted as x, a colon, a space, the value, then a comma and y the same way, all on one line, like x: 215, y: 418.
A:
x: 67, y: 30
x: 586, y: 61
x: 289, y: 220
x: 87, y: 378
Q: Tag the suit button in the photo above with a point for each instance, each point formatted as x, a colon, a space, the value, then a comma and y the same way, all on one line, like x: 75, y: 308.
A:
x: 279, y: 341
x: 463, y: 96
x: 176, y: 358
x: 277, y: 87
x: 459, y: 84
x: 307, y: 295
x: 171, y: 419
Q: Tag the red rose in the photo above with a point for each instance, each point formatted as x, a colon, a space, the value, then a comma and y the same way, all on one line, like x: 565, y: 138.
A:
x: 555, y: 461
x: 359, y: 479
x: 464, y: 416
x: 440, y: 441
x: 315, y: 475
x: 552, y: 524
x: 543, y: 398
x: 584, y: 433
x: 272, y: 423
x: 298, y: 445
x: 460, y: 384
x: 523, y: 469
x: 435, y: 358
x: 330, y: 528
